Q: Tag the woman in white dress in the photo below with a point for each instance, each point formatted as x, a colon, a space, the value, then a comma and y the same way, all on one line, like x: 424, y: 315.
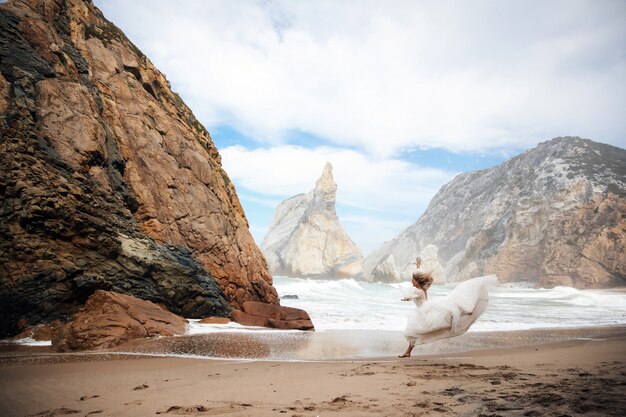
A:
x: 447, y: 316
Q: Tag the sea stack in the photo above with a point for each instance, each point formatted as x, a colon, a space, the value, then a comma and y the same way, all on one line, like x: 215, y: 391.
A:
x: 107, y: 179
x: 554, y: 215
x: 305, y: 238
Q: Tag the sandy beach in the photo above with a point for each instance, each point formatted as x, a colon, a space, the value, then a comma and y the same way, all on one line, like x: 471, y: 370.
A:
x: 240, y: 208
x: 580, y: 376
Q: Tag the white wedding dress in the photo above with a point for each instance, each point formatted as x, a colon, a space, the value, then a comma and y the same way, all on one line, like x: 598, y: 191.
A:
x: 448, y: 316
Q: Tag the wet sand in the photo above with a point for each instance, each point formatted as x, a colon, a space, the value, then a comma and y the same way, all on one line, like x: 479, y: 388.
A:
x: 574, y: 375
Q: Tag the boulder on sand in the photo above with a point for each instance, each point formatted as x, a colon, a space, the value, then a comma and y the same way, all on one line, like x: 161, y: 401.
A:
x: 268, y: 315
x: 215, y: 320
x: 110, y: 319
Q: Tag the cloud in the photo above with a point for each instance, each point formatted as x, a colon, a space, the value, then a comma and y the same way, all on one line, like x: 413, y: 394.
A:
x: 382, y: 77
x: 387, y: 187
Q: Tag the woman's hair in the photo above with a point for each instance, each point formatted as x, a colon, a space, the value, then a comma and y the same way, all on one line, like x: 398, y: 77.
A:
x: 423, y: 279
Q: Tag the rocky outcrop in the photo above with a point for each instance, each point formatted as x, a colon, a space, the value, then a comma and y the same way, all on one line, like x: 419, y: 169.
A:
x: 305, y: 238
x: 387, y: 270
x: 554, y: 215
x: 267, y: 315
x: 107, y: 180
x: 110, y: 319
x: 40, y: 332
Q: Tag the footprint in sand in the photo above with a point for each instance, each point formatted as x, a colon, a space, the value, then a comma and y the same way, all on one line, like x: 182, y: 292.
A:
x: 63, y: 411
x: 177, y: 409
x: 422, y: 404
x: 142, y: 386
x: 451, y: 392
x: 340, y: 402
x: 88, y: 397
x: 203, y: 410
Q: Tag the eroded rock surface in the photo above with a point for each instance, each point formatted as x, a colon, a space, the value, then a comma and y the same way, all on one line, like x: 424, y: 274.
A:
x: 305, y: 238
x: 268, y: 315
x: 40, y: 332
x: 554, y: 215
x: 107, y: 180
x: 109, y: 319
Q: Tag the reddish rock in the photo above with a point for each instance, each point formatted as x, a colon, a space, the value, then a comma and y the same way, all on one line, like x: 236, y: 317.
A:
x: 46, y: 331
x: 109, y: 319
x: 291, y: 324
x: 215, y: 320
x: 274, y: 312
x: 246, y: 319
x: 268, y: 315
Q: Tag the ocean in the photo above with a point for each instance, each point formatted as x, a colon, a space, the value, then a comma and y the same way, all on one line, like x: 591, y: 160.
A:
x: 349, y: 304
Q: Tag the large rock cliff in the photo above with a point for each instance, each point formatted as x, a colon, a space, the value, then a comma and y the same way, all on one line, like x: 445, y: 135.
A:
x: 554, y: 215
x: 305, y: 238
x: 107, y: 180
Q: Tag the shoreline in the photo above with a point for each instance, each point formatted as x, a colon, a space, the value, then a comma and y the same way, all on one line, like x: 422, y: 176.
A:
x: 299, y: 346
x: 569, y: 376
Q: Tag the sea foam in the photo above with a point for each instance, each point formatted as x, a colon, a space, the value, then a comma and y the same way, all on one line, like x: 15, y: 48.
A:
x: 350, y: 304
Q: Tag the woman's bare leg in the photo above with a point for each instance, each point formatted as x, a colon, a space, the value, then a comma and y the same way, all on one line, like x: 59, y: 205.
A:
x: 407, y: 353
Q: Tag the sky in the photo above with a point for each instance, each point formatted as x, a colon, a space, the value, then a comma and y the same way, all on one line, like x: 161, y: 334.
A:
x: 400, y: 96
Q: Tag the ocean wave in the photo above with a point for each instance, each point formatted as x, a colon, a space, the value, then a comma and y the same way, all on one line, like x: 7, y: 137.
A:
x: 194, y: 327
x: 351, y: 304
x: 27, y: 341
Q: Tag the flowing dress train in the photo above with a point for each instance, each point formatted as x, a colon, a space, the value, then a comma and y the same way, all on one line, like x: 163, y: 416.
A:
x: 448, y: 316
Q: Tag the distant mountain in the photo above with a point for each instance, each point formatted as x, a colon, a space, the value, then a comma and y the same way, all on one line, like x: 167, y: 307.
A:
x: 554, y: 215
x: 305, y: 238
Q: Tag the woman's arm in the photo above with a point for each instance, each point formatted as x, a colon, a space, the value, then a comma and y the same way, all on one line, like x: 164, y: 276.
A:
x: 416, y: 294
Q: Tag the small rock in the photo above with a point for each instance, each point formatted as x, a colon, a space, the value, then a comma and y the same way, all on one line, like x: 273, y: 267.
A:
x: 290, y: 297
x: 215, y: 320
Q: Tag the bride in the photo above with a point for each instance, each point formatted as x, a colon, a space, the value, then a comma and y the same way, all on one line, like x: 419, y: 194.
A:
x: 447, y: 316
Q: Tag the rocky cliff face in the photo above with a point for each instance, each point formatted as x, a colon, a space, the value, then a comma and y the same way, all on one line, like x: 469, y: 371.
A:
x: 305, y: 238
x: 107, y: 180
x: 553, y: 215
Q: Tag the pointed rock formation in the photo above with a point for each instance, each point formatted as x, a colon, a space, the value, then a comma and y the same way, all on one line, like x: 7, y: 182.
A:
x: 305, y: 238
x: 554, y: 215
x: 107, y: 180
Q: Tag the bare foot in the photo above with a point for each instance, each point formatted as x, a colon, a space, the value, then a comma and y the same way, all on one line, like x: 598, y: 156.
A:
x: 405, y: 355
